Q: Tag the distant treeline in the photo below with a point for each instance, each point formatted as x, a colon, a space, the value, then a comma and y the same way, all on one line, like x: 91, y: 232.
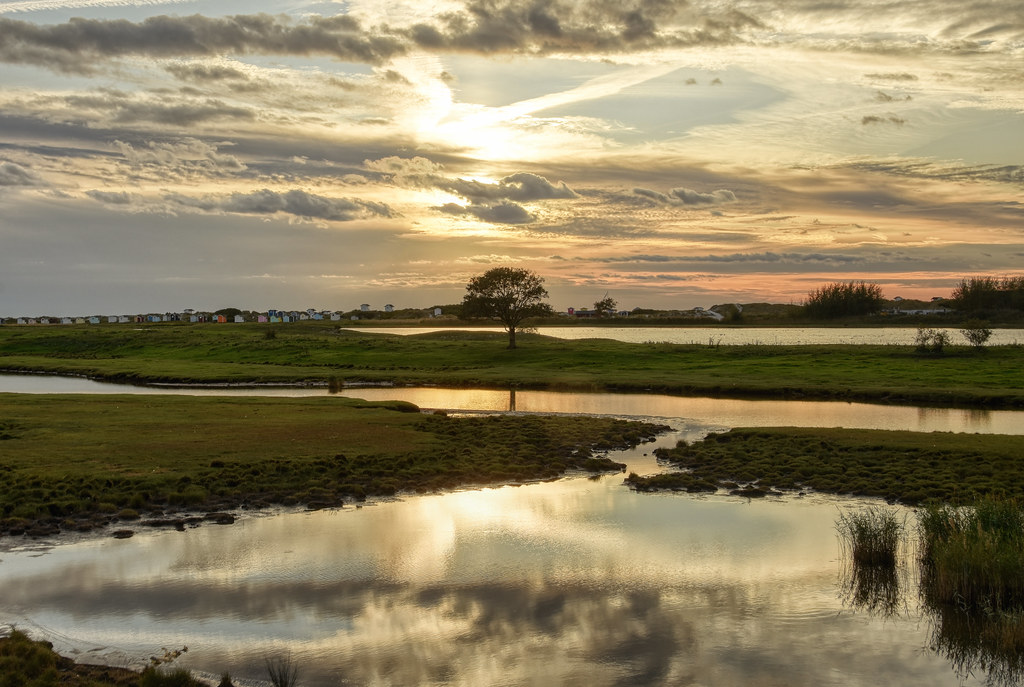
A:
x: 979, y: 295
x: 973, y: 297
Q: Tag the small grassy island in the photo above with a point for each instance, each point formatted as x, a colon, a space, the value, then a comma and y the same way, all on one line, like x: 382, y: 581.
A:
x: 908, y: 467
x: 76, y: 463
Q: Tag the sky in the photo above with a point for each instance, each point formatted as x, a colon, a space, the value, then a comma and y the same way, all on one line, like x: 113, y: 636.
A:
x: 157, y: 156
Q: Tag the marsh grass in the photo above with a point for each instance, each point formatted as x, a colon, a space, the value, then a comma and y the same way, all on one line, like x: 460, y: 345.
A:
x: 80, y: 465
x: 873, y: 536
x: 973, y: 557
x: 872, y: 541
x: 908, y: 467
x: 283, y: 671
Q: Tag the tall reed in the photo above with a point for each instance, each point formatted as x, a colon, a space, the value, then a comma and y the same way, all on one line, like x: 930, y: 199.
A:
x: 973, y: 557
x: 872, y: 536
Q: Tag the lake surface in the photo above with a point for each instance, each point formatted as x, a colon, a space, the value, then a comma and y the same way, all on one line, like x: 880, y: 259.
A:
x: 735, y: 336
x: 574, y: 582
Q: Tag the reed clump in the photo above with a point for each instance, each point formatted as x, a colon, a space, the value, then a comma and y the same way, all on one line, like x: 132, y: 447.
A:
x: 872, y: 536
x: 973, y: 557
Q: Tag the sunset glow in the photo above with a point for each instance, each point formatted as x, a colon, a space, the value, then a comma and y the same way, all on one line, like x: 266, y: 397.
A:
x: 157, y: 155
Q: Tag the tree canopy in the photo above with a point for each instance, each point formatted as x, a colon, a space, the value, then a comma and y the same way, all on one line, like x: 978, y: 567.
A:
x: 606, y: 306
x: 981, y: 294
x: 841, y: 299
x: 510, y: 294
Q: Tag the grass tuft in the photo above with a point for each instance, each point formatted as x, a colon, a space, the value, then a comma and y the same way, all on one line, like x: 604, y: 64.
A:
x: 872, y: 536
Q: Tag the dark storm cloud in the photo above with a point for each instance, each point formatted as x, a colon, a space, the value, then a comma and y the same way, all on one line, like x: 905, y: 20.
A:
x: 686, y: 196
x: 295, y: 202
x: 13, y: 174
x: 502, y: 213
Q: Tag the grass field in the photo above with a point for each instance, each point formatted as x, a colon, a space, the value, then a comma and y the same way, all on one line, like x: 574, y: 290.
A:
x: 68, y: 462
x: 318, y: 353
x: 909, y: 467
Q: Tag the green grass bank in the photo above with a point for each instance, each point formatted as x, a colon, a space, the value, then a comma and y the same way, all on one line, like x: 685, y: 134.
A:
x: 317, y: 353
x: 908, y: 467
x: 70, y: 462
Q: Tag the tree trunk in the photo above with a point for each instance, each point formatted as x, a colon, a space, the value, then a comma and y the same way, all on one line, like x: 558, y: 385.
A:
x: 511, y: 337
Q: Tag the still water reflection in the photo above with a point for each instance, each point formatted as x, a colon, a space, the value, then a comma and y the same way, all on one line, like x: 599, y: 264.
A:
x: 573, y: 582
x: 713, y: 412
x: 737, y: 336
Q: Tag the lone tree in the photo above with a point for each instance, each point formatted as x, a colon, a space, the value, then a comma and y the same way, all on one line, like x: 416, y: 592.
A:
x: 606, y: 306
x: 841, y: 299
x: 510, y: 294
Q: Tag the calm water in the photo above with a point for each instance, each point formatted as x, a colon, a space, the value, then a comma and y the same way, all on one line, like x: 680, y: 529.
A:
x: 714, y: 413
x: 573, y: 582
x: 735, y: 336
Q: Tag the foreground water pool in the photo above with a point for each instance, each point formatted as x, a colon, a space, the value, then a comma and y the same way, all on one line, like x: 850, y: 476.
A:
x: 574, y: 582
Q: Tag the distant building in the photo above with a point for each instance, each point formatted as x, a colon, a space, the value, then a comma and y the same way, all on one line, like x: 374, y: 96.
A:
x: 365, y: 307
x: 389, y: 308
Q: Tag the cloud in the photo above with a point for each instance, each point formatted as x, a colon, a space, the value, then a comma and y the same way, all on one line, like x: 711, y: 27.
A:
x: 502, y: 213
x: 295, y: 202
x: 182, y: 157
x: 874, y: 119
x: 763, y: 257
x: 423, y: 173
x: 74, y: 46
x: 402, y: 166
x: 113, y: 197
x: 565, y: 26
x: 205, y: 72
x: 686, y: 196
x: 522, y: 187
x: 928, y: 169
x: 13, y: 174
x: 893, y: 76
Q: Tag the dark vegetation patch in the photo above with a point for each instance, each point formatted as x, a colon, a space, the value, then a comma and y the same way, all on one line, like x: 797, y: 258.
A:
x: 179, y: 461
x: 909, y: 467
x: 24, y: 662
